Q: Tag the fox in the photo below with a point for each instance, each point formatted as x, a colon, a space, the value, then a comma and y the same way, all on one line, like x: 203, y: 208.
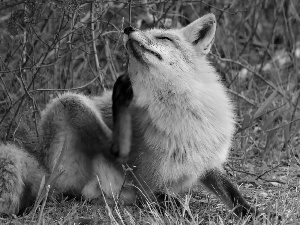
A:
x: 183, y: 117
x: 173, y: 129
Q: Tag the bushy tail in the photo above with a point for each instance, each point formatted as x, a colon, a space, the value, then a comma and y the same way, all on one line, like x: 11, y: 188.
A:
x: 20, y: 176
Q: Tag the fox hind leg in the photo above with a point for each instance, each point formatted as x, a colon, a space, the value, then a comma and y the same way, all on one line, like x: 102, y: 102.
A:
x: 72, y: 125
x: 219, y: 184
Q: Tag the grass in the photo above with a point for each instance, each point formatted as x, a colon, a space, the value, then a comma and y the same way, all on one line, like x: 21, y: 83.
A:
x: 49, y: 48
x: 202, y: 208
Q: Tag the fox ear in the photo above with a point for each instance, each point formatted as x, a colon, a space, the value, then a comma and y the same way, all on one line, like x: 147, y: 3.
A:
x: 201, y: 33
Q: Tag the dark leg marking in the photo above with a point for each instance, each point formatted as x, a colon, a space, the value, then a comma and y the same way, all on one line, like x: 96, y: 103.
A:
x: 220, y: 185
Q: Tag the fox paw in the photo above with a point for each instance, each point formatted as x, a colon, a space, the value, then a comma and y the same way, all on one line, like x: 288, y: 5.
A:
x: 90, y: 191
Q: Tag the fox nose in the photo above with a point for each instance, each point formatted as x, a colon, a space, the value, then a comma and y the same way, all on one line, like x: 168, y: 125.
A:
x: 129, y: 30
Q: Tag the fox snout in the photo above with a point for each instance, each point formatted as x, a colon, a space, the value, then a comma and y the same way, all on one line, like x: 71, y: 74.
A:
x: 138, y: 44
x: 129, y: 30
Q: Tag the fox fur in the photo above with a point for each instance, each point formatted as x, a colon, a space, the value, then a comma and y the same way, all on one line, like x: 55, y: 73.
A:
x: 182, y: 124
x: 20, y: 178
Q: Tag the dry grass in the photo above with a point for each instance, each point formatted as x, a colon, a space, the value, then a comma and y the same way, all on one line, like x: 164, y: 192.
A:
x: 48, y: 48
x: 200, y: 208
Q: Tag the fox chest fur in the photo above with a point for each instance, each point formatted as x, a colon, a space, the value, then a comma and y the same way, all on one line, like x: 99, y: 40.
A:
x: 180, y: 135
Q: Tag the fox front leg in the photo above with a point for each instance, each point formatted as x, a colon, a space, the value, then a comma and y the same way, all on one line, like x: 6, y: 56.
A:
x: 121, y: 98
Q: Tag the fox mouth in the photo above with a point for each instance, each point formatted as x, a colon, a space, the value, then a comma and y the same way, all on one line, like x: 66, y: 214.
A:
x: 138, y: 49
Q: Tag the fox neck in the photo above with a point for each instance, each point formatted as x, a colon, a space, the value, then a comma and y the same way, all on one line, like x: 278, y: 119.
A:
x: 171, y: 101
x: 172, y: 110
x: 190, y: 113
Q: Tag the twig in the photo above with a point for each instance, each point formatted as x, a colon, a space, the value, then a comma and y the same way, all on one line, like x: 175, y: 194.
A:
x: 280, y: 126
x: 260, y: 178
x: 5, y: 89
x: 129, y: 4
x: 253, y: 31
x: 214, y: 7
x: 94, y: 51
x: 295, y: 109
x: 18, y: 125
x: 8, y: 110
x: 70, y: 89
x: 249, y: 101
x: 32, y: 100
x: 273, y: 168
x: 14, y: 116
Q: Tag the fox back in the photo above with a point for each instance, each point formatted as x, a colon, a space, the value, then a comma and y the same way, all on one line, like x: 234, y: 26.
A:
x: 179, y: 105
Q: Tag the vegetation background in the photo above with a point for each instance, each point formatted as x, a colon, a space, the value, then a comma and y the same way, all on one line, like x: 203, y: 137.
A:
x: 51, y: 46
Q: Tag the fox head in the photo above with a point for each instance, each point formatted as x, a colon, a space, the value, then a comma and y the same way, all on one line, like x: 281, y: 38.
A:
x: 166, y: 63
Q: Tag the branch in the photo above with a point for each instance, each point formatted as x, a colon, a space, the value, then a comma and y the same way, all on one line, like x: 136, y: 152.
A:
x: 94, y: 51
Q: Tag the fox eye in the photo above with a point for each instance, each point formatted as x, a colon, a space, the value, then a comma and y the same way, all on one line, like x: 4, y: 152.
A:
x: 164, y: 38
